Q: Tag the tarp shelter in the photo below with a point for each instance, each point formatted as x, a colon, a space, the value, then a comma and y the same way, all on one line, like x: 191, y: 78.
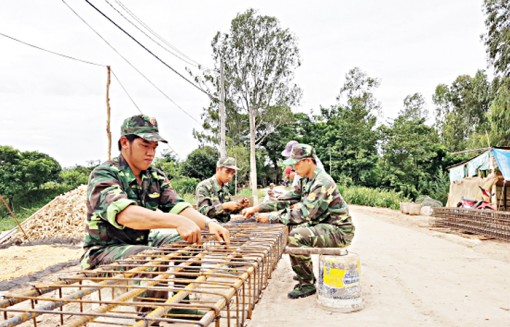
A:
x: 489, y: 170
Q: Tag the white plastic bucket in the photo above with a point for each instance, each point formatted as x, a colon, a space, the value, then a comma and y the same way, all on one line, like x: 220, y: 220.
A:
x: 339, y: 285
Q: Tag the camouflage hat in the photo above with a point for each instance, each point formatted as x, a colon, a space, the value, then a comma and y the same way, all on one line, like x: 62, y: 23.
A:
x: 288, y: 148
x: 228, y: 162
x: 143, y: 126
x: 300, y: 151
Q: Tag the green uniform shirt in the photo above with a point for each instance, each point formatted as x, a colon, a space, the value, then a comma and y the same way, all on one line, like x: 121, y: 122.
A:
x: 112, y: 187
x: 313, y: 201
x: 210, y: 196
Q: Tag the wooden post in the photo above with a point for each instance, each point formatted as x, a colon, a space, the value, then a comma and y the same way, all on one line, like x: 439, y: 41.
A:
x: 108, y: 133
x: 14, y: 216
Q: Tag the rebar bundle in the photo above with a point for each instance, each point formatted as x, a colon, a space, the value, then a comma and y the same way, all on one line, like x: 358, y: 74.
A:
x: 178, y: 284
x: 489, y: 223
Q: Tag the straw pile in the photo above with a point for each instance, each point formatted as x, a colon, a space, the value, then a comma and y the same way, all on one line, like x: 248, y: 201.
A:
x: 61, y: 219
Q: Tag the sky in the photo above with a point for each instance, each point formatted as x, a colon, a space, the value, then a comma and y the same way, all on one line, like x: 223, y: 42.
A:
x: 57, y: 106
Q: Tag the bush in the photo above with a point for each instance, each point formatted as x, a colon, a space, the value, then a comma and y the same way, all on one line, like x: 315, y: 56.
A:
x: 183, y: 185
x: 73, y: 178
x: 372, y: 197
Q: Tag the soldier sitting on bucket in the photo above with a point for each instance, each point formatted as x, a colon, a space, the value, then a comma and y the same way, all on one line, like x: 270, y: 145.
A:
x: 315, y: 212
x: 213, y: 197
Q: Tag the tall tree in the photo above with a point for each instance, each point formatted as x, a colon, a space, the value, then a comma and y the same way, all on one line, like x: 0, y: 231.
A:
x: 259, y: 59
x: 345, y: 135
x: 499, y: 116
x: 412, y: 154
x: 497, y: 37
x: 461, y: 109
x: 414, y: 107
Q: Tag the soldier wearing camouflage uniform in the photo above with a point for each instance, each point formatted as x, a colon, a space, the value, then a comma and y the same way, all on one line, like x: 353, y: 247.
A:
x: 315, y: 212
x: 123, y: 197
x: 213, y: 197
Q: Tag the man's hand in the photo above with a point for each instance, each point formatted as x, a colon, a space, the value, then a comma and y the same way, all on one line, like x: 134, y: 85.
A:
x: 244, y: 202
x: 189, y: 231
x: 263, y: 218
x: 220, y: 233
x: 232, y: 206
x: 248, y: 212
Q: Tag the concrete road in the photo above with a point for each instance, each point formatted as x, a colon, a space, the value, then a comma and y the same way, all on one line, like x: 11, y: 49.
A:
x: 411, y: 276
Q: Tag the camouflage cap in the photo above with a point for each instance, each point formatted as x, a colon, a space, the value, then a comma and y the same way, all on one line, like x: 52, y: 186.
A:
x: 228, y: 162
x: 299, y: 152
x: 143, y: 126
x: 288, y: 148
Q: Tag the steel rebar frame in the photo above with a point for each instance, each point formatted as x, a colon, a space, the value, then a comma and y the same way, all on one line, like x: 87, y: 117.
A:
x: 212, y: 282
x: 489, y: 223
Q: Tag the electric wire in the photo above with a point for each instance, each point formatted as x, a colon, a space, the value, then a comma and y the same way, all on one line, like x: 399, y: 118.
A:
x: 140, y: 111
x: 194, y: 62
x: 52, y: 52
x: 127, y: 93
x: 152, y: 53
x: 130, y: 64
x: 91, y: 63
x: 178, y: 55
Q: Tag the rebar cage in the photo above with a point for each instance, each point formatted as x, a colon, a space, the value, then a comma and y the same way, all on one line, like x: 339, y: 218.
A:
x: 178, y: 284
x: 489, y: 223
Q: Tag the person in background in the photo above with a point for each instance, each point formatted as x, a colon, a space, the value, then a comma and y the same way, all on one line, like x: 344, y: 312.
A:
x: 289, y: 175
x: 315, y: 212
x: 213, y: 196
x: 272, y: 192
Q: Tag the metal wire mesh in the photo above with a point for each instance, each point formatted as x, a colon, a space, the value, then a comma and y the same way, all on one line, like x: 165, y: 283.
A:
x: 177, y: 284
x: 489, y: 223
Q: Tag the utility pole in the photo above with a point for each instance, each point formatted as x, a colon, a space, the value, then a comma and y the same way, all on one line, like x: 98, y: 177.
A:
x: 108, y: 133
x: 223, y: 151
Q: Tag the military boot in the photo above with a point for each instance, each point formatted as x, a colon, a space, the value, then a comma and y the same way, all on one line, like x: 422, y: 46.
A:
x: 302, y: 290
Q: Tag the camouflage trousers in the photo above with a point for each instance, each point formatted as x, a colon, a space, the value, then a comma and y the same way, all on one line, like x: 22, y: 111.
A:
x: 318, y: 236
x: 106, y: 255
x: 102, y: 256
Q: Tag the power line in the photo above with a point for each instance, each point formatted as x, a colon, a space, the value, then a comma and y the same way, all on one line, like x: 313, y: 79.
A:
x: 127, y: 93
x: 150, y: 52
x: 178, y: 54
x: 52, y: 52
x: 130, y: 64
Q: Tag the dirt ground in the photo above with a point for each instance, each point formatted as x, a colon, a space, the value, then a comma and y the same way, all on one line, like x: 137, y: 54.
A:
x: 412, y: 275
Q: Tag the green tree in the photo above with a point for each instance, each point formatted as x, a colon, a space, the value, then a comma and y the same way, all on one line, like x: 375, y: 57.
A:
x: 168, y: 163
x: 412, y: 154
x: 21, y: 172
x: 38, y: 168
x: 461, y: 110
x: 259, y: 59
x: 293, y: 130
x: 10, y: 172
x: 414, y: 107
x: 497, y: 37
x: 499, y: 116
x: 201, y: 163
x: 345, y: 136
